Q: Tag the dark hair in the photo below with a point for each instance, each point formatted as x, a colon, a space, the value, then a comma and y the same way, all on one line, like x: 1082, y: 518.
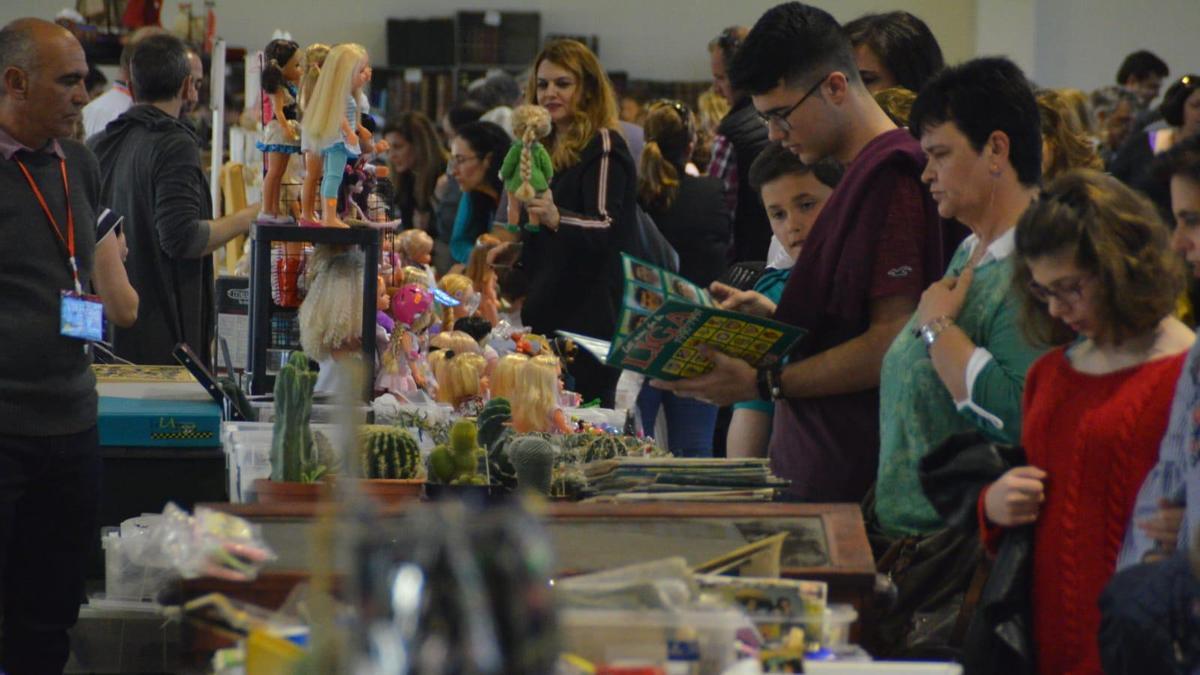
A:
x: 158, y: 68
x: 475, y: 326
x: 791, y: 43
x: 429, y: 159
x: 487, y: 139
x: 1177, y: 95
x: 464, y: 113
x: 902, y: 42
x: 1113, y: 233
x: 1183, y: 159
x: 276, y: 56
x: 95, y: 78
x: 1139, y: 64
x: 776, y: 161
x: 511, y: 278
x: 982, y: 96
x: 669, y: 129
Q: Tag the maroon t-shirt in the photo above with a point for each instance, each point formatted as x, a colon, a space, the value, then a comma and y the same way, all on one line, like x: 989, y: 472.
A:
x: 877, y: 237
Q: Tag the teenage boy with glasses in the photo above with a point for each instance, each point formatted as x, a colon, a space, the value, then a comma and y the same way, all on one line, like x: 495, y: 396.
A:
x: 875, y: 247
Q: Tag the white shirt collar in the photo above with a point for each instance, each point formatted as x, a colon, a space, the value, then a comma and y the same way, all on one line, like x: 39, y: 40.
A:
x: 998, y: 250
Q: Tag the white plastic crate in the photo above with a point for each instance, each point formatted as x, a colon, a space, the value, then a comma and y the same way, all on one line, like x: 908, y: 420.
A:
x: 248, y: 454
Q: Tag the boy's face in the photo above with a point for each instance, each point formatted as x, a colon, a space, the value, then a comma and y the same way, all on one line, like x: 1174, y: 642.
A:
x: 793, y: 202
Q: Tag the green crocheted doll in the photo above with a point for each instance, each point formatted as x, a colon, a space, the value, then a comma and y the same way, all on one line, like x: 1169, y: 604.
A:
x: 527, y: 168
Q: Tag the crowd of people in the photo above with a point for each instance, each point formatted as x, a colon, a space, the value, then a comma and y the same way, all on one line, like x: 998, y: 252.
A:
x: 976, y: 263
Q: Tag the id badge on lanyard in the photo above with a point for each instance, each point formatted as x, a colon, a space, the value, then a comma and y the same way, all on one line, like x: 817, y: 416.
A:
x: 81, y: 316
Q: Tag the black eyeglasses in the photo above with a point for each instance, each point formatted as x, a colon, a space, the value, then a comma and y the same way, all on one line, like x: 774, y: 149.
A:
x: 1067, y: 291
x: 781, y: 119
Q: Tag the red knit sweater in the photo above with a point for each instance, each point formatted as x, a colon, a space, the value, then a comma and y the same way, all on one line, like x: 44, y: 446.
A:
x: 1097, y: 437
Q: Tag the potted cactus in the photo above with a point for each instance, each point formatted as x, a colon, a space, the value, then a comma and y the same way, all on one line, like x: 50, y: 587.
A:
x: 391, y: 465
x: 532, y: 457
x: 455, y: 465
x: 296, y: 459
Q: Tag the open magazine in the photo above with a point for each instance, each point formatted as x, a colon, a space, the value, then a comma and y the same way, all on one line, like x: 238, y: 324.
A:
x: 664, y: 320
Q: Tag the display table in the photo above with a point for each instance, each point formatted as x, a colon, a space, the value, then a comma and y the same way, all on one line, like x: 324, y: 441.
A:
x: 159, y: 442
x: 827, y: 542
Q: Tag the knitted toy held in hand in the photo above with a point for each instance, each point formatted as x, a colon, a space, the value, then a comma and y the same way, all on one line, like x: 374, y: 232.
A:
x: 527, y: 168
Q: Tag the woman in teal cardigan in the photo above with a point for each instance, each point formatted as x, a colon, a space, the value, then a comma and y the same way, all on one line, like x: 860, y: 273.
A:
x: 960, y: 363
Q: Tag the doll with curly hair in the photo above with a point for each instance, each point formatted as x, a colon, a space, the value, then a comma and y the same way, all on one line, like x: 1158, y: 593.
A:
x: 331, y: 314
x: 527, y: 168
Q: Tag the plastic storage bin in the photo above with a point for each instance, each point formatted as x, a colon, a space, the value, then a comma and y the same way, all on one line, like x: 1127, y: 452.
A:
x: 650, y: 636
x: 125, y: 579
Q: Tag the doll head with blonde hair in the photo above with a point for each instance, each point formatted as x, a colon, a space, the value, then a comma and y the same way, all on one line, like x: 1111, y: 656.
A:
x: 456, y: 341
x: 415, y: 275
x: 504, y: 378
x: 460, y: 288
x: 416, y: 247
x: 314, y: 59
x: 535, y: 397
x: 339, y: 79
x: 459, y: 376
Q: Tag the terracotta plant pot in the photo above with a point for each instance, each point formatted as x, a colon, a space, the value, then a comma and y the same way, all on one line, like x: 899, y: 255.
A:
x: 287, y: 492
x: 476, y: 495
x: 393, y: 491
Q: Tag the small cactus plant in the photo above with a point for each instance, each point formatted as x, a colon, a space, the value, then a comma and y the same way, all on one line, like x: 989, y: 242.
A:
x: 389, y: 452
x: 294, y: 456
x: 533, y: 458
x: 457, y: 463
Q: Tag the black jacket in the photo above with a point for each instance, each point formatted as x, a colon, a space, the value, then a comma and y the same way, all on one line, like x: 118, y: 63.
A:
x: 151, y: 174
x: 697, y: 227
x: 997, y: 638
x: 751, y: 229
x: 574, y: 274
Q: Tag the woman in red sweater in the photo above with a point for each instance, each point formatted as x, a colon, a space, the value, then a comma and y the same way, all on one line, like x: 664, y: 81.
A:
x: 1096, y: 276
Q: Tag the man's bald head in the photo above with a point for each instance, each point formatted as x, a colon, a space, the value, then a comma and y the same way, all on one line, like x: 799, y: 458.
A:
x: 23, y: 41
x: 42, y: 72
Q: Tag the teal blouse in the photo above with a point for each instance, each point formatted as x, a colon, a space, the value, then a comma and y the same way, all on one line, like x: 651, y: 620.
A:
x: 916, y: 410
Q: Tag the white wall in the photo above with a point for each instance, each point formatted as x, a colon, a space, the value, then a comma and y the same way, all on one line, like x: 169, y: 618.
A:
x: 1080, y: 43
x: 1059, y: 42
x: 650, y: 39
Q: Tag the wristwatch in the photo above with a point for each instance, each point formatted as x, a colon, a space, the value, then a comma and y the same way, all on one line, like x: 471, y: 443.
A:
x: 930, y: 332
x: 770, y: 382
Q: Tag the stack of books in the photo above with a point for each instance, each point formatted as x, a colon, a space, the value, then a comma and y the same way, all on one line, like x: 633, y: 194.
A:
x: 627, y: 479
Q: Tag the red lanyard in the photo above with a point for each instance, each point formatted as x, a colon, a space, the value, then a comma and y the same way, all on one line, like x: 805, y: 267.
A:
x: 69, y: 241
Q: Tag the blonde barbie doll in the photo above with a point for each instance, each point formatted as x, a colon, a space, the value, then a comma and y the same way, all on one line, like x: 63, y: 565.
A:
x: 332, y: 122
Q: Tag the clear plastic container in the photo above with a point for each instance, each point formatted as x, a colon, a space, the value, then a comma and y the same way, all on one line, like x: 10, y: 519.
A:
x: 125, y: 579
x: 650, y: 636
x: 247, y: 448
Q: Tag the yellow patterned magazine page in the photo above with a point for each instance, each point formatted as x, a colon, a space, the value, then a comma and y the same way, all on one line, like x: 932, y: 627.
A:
x: 666, y: 344
x: 112, y: 373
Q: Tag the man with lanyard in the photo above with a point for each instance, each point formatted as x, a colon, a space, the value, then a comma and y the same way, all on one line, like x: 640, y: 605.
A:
x: 876, y: 245
x: 49, y: 461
